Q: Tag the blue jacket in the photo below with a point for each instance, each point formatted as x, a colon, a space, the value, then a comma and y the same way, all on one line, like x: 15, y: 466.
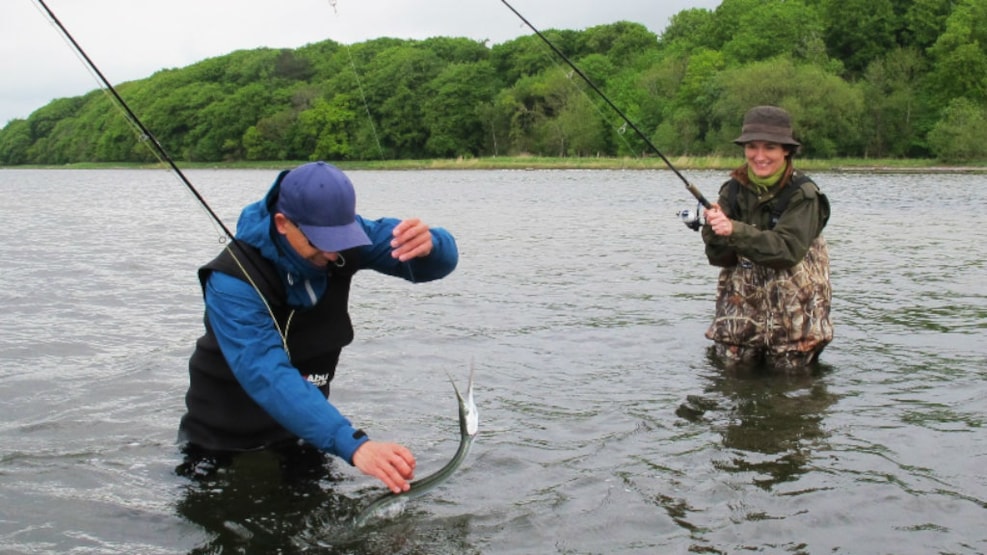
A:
x: 252, y: 344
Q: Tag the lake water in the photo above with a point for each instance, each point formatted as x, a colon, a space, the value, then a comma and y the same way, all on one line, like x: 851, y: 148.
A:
x: 582, y: 301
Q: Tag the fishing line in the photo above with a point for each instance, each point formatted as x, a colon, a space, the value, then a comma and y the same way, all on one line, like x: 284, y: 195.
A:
x: 692, y: 188
x: 136, y: 130
x: 359, y: 85
x: 621, y: 131
x: 366, y: 105
x: 159, y: 150
x: 145, y: 133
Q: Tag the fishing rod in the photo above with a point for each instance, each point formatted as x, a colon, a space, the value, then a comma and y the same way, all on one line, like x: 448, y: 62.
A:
x: 692, y: 188
x: 162, y: 154
x: 145, y: 132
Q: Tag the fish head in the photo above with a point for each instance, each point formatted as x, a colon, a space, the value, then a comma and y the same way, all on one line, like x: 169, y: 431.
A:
x: 469, y: 418
x: 470, y: 415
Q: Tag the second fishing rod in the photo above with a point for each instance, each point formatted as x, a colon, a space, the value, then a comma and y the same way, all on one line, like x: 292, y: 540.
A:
x: 686, y: 216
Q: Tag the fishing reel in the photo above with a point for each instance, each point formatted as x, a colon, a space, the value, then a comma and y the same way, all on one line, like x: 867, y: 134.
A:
x: 692, y: 219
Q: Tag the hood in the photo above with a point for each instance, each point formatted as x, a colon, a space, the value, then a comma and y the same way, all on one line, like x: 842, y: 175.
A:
x: 303, y: 281
x: 256, y: 227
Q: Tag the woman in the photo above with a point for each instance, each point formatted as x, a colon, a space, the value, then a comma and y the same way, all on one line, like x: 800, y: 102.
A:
x: 773, y: 294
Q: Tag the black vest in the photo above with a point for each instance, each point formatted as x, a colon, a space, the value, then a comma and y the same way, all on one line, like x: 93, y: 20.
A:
x: 221, y: 416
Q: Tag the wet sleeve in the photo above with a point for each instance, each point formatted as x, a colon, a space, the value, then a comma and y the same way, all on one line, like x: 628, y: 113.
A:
x: 377, y: 256
x: 718, y: 249
x: 252, y: 346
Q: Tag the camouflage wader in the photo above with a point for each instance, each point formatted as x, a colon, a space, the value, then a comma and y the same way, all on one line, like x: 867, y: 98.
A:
x: 779, y: 314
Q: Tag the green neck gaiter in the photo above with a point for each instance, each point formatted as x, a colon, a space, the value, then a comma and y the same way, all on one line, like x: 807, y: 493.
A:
x: 762, y: 184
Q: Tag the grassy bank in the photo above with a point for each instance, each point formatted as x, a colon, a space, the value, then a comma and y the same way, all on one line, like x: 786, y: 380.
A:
x: 681, y: 163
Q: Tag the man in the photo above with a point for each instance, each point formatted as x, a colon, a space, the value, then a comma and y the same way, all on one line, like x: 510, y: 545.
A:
x: 276, y: 320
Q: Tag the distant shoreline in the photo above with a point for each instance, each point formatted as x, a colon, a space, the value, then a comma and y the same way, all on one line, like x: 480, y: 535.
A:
x: 697, y: 163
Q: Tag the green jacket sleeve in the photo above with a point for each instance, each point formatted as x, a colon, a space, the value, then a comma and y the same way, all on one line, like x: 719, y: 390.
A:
x: 786, y: 244
x: 781, y: 247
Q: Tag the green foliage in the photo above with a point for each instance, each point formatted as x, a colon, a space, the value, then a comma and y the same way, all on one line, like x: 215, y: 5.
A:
x: 452, y: 111
x: 925, y: 20
x: 892, y: 96
x: 961, y: 134
x: 567, y: 123
x: 860, y: 31
x: 826, y: 110
x: 15, y: 143
x: 766, y: 30
x: 689, y: 30
x: 395, y: 90
x: 679, y: 134
x: 862, y: 78
x: 619, y: 41
x: 44, y: 120
x: 959, y: 54
x: 324, y: 125
x: 521, y: 57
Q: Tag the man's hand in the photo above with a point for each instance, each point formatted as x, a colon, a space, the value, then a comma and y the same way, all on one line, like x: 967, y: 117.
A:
x: 391, y: 463
x: 412, y: 239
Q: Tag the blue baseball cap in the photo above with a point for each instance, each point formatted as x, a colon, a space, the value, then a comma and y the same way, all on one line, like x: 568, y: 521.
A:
x: 320, y: 200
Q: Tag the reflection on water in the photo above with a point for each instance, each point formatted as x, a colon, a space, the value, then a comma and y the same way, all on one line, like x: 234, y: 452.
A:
x: 286, y: 502
x: 259, y: 500
x: 771, y: 424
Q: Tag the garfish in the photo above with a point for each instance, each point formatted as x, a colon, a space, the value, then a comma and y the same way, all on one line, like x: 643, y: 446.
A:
x: 469, y: 425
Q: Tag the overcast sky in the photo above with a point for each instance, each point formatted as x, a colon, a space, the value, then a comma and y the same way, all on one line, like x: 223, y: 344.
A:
x: 131, y: 39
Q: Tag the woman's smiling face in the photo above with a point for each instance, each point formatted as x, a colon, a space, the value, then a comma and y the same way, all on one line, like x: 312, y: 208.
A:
x: 765, y: 158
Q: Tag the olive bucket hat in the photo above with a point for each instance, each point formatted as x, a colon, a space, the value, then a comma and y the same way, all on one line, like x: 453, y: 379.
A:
x: 767, y: 123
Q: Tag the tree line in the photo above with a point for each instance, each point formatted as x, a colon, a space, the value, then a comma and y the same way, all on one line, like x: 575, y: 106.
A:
x: 862, y: 79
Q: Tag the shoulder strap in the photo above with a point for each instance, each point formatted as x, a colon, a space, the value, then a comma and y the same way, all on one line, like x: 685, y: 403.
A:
x: 781, y: 202
x: 733, y: 188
